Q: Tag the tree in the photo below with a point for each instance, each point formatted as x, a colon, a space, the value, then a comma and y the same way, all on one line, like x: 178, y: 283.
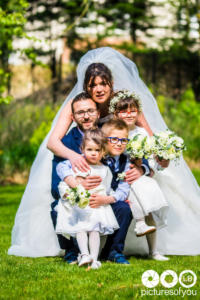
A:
x: 43, y: 17
x: 12, y: 23
x: 182, y: 48
x: 134, y: 16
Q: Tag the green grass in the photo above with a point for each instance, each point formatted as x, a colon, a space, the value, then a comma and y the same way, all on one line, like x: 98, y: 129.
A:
x: 51, y: 278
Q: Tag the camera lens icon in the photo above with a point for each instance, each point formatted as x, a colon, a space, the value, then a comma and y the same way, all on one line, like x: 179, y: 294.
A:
x: 150, y: 278
x: 170, y: 274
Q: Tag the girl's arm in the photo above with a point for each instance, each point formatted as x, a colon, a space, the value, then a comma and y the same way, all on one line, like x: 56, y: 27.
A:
x: 142, y: 122
x: 71, y: 181
x: 57, y: 147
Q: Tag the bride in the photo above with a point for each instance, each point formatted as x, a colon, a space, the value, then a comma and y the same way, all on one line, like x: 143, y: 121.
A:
x: 33, y: 234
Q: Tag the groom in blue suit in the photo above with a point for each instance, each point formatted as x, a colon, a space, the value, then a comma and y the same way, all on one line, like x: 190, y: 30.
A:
x: 86, y: 114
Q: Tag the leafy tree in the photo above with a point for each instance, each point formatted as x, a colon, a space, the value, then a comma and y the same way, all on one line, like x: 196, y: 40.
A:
x: 44, y: 16
x: 12, y: 23
x: 133, y: 16
x: 183, y: 51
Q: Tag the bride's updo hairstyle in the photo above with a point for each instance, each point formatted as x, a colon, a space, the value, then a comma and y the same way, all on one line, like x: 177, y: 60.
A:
x: 97, y: 70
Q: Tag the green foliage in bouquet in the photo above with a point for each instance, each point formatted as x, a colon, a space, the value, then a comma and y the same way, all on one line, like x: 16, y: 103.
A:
x: 77, y: 196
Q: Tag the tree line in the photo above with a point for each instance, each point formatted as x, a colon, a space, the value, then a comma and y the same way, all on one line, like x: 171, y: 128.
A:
x: 177, y: 49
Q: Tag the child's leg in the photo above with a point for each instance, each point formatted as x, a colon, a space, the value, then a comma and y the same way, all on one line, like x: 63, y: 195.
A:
x: 141, y: 227
x: 151, y: 241
x: 94, y: 244
x: 82, y: 240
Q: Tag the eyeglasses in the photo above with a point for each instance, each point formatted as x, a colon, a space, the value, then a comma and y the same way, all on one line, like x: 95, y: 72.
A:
x: 116, y: 140
x: 90, y: 112
x: 126, y: 113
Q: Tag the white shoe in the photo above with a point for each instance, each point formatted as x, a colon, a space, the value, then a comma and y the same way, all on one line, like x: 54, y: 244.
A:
x: 84, y: 259
x: 95, y: 264
x: 142, y: 228
x: 158, y: 256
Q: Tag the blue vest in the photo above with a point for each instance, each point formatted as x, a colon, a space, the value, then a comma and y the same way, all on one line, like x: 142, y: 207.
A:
x: 122, y: 164
x: 73, y: 141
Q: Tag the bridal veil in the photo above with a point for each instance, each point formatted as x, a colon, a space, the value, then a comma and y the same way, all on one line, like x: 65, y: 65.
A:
x: 33, y: 233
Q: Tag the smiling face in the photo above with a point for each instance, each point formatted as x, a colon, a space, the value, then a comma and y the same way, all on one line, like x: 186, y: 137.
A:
x: 99, y: 89
x: 128, y: 115
x: 85, y: 114
x: 117, y: 148
x: 92, y: 152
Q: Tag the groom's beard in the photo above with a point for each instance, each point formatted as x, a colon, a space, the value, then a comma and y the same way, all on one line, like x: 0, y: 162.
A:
x: 93, y: 124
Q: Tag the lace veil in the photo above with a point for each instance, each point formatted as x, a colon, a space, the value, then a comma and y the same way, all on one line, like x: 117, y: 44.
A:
x: 33, y: 234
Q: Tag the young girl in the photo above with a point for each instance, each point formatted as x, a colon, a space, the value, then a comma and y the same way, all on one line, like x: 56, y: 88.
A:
x: 82, y: 223
x: 146, y: 197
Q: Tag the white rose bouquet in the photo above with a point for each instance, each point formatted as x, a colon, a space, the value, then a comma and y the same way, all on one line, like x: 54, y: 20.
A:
x: 77, y: 196
x: 140, y: 146
x: 167, y: 145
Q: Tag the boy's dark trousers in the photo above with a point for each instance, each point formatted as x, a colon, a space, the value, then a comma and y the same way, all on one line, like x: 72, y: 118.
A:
x: 115, y: 242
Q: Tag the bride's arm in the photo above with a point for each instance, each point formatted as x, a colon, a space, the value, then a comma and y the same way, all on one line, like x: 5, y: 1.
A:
x: 64, y: 121
x: 142, y: 122
x: 57, y: 147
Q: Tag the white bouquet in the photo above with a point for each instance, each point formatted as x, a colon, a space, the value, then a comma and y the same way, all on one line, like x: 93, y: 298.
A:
x: 167, y: 145
x: 77, y: 196
x: 121, y: 176
x: 140, y: 146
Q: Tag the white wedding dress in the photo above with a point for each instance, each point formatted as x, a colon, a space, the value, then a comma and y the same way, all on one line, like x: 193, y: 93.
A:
x: 33, y: 234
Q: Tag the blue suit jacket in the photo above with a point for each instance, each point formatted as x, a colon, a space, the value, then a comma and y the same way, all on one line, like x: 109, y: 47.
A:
x: 73, y: 141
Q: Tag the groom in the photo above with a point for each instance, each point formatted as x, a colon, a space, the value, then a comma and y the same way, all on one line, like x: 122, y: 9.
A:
x: 86, y: 114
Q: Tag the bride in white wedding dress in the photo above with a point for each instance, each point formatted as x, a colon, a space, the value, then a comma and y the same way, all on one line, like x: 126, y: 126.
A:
x: 33, y: 234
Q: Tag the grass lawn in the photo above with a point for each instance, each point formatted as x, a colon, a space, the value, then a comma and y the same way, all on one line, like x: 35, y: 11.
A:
x: 51, y: 278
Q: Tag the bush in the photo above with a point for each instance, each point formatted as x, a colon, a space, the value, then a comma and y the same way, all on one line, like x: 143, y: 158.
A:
x: 22, y: 132
x: 183, y: 117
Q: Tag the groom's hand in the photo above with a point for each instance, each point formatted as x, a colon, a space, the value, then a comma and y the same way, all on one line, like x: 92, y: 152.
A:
x: 91, y: 182
x: 134, y: 173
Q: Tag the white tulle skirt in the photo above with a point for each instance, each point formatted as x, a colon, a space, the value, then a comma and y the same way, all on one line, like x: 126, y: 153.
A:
x: 73, y: 219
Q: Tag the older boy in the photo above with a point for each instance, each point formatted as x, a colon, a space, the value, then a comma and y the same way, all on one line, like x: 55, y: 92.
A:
x: 116, y: 132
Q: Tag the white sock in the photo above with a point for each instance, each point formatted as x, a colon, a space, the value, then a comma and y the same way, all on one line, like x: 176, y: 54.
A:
x: 94, y: 244
x: 141, y: 220
x: 82, y: 240
x: 151, y: 241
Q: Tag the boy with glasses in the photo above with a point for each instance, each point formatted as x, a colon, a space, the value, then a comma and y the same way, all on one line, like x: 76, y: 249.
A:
x: 116, y: 132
